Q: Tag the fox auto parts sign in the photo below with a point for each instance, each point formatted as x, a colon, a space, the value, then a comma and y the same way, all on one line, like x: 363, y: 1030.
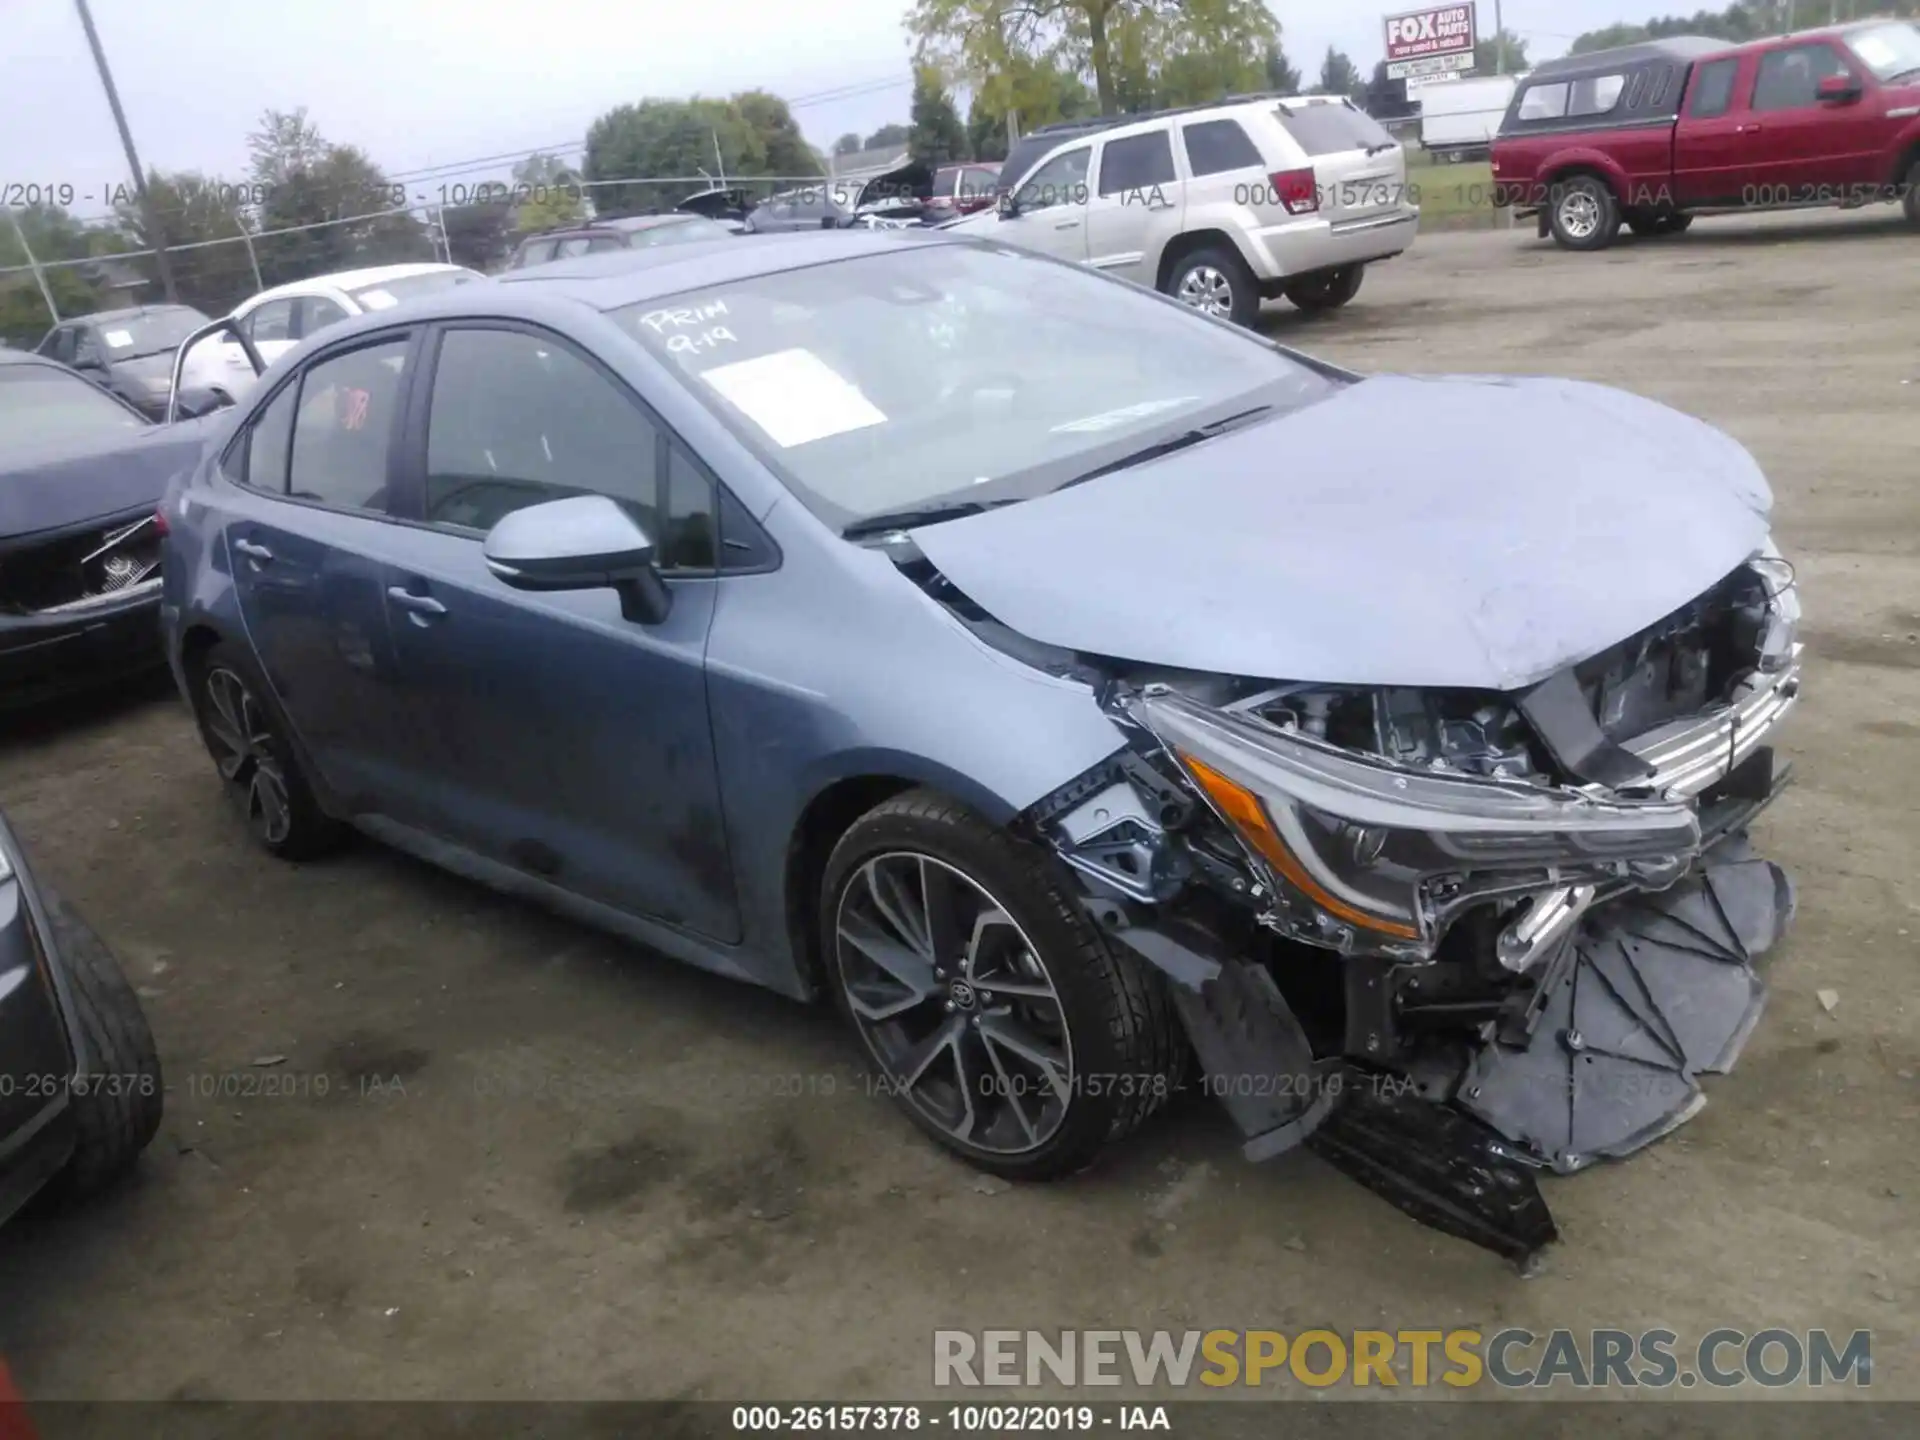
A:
x: 1430, y: 42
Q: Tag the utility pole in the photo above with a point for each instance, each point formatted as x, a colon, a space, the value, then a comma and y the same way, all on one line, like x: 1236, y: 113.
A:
x: 133, y: 158
x: 1499, y: 41
x: 33, y: 264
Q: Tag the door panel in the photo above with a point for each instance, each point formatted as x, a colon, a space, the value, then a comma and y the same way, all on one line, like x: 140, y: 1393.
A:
x: 1805, y: 151
x: 1136, y: 205
x: 1712, y: 155
x: 1052, y: 218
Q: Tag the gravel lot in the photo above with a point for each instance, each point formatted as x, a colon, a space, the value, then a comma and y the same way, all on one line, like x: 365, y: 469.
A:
x: 545, y: 1165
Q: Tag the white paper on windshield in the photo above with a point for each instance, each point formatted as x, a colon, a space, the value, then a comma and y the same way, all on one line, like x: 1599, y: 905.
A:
x: 118, y: 339
x: 376, y: 300
x: 795, y: 396
x: 1107, y: 419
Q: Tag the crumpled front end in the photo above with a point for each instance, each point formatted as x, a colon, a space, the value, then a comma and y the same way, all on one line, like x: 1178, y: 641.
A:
x: 1453, y: 938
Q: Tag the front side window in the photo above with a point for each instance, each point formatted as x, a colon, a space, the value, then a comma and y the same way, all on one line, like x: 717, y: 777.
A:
x: 1790, y: 79
x: 1713, y: 89
x: 1138, y: 162
x: 518, y: 419
x: 271, y: 321
x: 964, y: 372
x: 1061, y: 181
x: 41, y: 406
x: 347, y: 408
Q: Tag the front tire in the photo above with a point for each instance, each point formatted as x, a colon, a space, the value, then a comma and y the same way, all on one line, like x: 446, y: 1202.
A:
x: 996, y: 1013
x: 117, y: 1109
x: 1584, y: 215
x: 1216, y: 282
x: 1317, y: 294
x: 256, y: 762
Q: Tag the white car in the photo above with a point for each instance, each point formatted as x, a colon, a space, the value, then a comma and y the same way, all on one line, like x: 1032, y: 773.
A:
x: 1219, y: 206
x: 278, y: 319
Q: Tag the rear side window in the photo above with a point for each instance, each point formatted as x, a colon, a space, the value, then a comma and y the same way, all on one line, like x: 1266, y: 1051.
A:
x: 1713, y: 88
x: 347, y: 409
x: 1216, y: 146
x: 536, y: 252
x: 1138, y: 162
x: 1332, y: 129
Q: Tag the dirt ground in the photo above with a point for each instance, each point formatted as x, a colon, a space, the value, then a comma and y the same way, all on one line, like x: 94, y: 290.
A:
x: 546, y: 1165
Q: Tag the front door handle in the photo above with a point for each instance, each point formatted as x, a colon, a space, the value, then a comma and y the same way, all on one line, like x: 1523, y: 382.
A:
x: 414, y: 604
x: 1068, y: 225
x: 259, y: 554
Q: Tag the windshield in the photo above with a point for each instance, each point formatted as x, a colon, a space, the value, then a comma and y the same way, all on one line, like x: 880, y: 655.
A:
x: 681, y: 232
x: 389, y: 293
x: 1888, y: 50
x: 969, y: 373
x: 43, y: 407
x: 157, y: 332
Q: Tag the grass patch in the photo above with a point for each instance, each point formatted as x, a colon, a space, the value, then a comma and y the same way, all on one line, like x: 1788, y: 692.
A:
x: 1452, y: 196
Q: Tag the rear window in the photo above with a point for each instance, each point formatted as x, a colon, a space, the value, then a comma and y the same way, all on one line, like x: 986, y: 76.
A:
x: 1216, y: 146
x: 1332, y: 129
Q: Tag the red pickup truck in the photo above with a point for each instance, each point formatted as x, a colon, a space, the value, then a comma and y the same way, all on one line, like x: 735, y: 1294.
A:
x: 1650, y: 135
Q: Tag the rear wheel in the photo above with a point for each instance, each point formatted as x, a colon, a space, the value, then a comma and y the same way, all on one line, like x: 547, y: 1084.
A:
x: 1910, y: 199
x: 1216, y: 282
x: 256, y: 763
x: 1328, y: 290
x: 998, y: 1016
x: 1583, y: 213
x: 117, y: 1107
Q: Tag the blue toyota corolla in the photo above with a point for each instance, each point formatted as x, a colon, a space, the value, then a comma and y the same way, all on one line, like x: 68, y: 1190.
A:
x: 1091, y: 698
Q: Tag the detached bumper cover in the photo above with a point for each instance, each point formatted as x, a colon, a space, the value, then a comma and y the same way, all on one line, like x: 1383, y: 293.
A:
x: 1649, y: 994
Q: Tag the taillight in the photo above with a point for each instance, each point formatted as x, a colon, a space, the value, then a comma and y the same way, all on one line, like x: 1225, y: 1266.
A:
x: 1298, y: 190
x: 160, y: 523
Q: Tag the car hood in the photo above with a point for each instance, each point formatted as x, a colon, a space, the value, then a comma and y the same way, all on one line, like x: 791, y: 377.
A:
x: 1464, y: 531
x: 80, y: 483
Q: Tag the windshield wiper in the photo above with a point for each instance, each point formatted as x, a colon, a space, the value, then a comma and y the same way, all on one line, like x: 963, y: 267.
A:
x: 1184, y: 440
x: 917, y: 515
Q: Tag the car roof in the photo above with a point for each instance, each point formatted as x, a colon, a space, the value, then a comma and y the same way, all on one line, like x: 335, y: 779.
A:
x: 130, y: 312
x: 351, y: 279
x: 626, y: 223
x: 27, y: 357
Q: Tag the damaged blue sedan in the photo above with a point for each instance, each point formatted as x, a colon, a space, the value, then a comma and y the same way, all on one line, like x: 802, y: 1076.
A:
x: 1092, y: 699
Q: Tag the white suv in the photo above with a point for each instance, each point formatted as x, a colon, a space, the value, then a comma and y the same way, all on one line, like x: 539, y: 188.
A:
x: 1219, y: 206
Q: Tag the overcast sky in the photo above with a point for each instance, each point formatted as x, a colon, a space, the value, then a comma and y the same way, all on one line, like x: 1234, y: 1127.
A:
x: 431, y: 83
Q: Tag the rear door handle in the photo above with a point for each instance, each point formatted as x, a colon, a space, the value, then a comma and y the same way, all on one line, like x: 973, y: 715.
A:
x: 259, y: 554
x: 414, y: 604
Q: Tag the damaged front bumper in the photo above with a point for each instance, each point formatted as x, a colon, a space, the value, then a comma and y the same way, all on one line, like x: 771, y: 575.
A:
x: 1530, y: 977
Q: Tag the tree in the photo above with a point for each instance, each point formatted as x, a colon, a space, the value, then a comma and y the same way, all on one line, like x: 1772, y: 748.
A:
x: 787, y: 152
x: 340, y: 206
x: 659, y: 140
x: 546, y: 193
x: 847, y: 144
x: 1387, y: 98
x: 1503, y: 53
x: 936, y: 135
x: 888, y: 136
x: 286, y: 142
x: 1121, y: 44
x: 54, y: 235
x: 192, y: 210
x: 1339, y: 76
x: 1279, y: 72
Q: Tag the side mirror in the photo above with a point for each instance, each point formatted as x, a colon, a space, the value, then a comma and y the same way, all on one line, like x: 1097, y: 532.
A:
x: 1840, y: 90
x: 583, y: 543
x: 1009, y: 205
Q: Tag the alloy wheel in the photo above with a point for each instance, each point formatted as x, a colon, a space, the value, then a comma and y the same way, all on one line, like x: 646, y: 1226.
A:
x: 1579, y: 214
x: 246, y: 753
x: 1208, y: 290
x: 954, y: 1003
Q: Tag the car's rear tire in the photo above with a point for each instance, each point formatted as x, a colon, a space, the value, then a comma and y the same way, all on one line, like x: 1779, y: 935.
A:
x: 1583, y: 213
x: 1910, y: 200
x: 991, y: 1006
x: 1215, y: 281
x: 1328, y: 290
x: 257, y: 765
x: 117, y: 1106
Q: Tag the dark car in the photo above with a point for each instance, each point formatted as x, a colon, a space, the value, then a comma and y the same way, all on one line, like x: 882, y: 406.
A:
x: 634, y: 232
x: 80, y: 1085
x: 80, y: 474
x: 129, y: 352
x: 1652, y: 135
x: 961, y: 190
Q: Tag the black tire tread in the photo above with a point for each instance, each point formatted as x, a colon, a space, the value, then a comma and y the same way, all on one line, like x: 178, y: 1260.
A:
x: 1139, y: 1014
x: 1229, y: 261
x: 114, y: 1123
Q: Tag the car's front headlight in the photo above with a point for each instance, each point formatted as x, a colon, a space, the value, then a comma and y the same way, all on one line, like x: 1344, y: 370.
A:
x: 1365, y: 855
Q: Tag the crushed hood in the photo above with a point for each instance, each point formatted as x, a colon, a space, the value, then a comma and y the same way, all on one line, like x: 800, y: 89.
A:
x: 72, y: 484
x: 1466, y: 531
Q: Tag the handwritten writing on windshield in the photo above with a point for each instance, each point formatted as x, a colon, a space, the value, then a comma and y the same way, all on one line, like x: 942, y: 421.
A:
x: 689, y: 328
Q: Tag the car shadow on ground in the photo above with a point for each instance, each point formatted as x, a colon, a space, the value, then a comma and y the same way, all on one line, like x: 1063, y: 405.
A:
x: 99, y: 707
